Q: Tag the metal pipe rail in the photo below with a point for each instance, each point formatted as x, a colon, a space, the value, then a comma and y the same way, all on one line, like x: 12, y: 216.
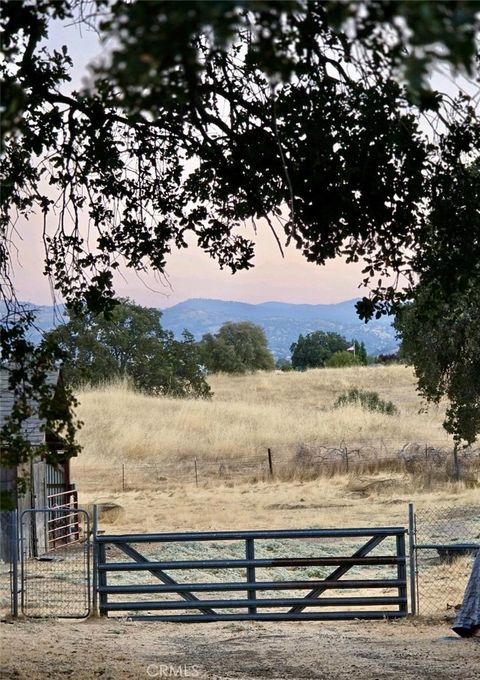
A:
x: 237, y: 564
x: 243, y: 535
x: 256, y: 585
x: 445, y: 546
x: 190, y: 608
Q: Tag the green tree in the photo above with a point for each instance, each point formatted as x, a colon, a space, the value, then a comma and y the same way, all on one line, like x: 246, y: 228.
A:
x: 314, y: 349
x: 208, y: 114
x: 130, y: 343
x: 445, y: 351
x: 360, y: 352
x: 440, y: 326
x: 237, y: 348
x: 342, y: 359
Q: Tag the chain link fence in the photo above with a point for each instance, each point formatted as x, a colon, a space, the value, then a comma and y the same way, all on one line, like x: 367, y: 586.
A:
x: 446, y: 541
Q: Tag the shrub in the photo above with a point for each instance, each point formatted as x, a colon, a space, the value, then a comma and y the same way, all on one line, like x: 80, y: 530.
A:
x: 342, y: 359
x: 283, y: 364
x: 369, y: 400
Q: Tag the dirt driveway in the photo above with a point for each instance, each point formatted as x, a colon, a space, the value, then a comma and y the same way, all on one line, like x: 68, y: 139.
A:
x: 113, y: 650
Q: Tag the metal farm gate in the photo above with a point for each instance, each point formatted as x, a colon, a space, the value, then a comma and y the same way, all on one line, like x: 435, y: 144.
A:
x: 283, y: 575
x: 56, y: 583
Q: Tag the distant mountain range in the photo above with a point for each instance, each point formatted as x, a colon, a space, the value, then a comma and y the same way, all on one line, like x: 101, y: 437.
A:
x: 282, y: 321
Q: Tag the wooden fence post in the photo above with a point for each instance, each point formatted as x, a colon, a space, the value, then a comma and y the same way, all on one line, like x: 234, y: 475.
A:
x: 270, y: 462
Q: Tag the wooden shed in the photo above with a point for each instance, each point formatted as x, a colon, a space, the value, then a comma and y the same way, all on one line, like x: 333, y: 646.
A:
x: 49, y: 485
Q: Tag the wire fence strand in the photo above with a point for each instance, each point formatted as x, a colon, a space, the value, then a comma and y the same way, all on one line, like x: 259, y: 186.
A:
x: 428, y: 462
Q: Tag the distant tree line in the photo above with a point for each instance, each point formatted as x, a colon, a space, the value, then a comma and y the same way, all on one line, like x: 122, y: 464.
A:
x: 325, y: 349
x: 131, y: 343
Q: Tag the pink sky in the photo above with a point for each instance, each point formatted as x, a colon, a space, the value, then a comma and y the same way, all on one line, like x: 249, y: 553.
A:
x: 191, y: 273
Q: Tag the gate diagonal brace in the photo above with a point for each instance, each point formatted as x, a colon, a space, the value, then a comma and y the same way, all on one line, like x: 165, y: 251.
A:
x: 340, y: 571
x: 162, y: 576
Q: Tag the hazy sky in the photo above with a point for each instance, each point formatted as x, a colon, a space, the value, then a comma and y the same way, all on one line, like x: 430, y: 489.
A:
x: 191, y: 273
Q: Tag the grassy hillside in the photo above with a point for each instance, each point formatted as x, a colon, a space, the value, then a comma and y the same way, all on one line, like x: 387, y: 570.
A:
x: 249, y: 413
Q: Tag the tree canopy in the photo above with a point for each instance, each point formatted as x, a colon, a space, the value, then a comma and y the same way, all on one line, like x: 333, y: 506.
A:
x: 131, y: 343
x: 311, y: 116
x: 236, y: 348
x: 445, y: 350
x: 439, y: 328
x: 315, y: 349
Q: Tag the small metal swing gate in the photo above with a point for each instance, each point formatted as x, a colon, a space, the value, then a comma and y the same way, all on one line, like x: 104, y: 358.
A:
x: 55, y: 561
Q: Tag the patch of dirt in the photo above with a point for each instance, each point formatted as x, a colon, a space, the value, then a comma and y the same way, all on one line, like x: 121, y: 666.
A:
x: 117, y: 649
x: 303, y: 506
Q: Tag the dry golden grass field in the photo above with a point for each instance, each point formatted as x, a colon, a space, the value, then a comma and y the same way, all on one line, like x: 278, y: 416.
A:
x: 250, y: 413
x: 134, y: 441
x: 139, y: 454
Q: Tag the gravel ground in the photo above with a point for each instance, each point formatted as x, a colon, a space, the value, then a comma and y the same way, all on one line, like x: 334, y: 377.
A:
x: 107, y: 649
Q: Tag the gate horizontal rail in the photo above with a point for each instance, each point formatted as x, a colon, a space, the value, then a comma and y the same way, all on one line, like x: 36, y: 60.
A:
x: 279, y: 602
x: 236, y: 564
x: 190, y: 608
x: 270, y: 616
x: 241, y: 535
x: 257, y: 585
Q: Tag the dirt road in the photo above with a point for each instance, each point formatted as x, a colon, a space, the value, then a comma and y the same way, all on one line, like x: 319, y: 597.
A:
x: 113, y: 650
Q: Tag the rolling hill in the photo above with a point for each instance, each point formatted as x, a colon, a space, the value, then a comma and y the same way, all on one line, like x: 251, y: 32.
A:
x: 283, y: 322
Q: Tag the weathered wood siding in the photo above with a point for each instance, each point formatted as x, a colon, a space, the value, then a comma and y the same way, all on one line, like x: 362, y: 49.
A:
x: 41, y: 475
x: 32, y: 428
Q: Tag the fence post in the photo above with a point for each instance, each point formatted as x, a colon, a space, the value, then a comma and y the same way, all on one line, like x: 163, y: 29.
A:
x: 14, y: 563
x: 456, y: 463
x: 95, y: 560
x: 270, y: 462
x: 102, y: 577
x: 402, y: 571
x: 412, y: 560
x: 250, y: 555
x: 196, y: 472
x: 123, y: 476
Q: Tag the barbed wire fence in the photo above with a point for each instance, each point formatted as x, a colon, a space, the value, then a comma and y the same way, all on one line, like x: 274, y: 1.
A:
x: 446, y: 541
x: 428, y: 463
